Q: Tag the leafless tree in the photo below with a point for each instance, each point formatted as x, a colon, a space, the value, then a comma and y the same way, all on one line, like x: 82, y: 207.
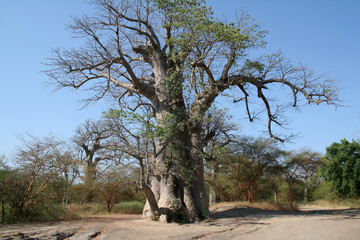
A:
x: 177, y: 58
x: 68, y: 167
x: 93, y: 144
x: 218, y: 132
x: 112, y: 185
x: 133, y: 132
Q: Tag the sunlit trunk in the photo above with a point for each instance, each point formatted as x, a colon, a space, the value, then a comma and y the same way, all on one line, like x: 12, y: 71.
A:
x: 178, y: 181
x: 212, y: 189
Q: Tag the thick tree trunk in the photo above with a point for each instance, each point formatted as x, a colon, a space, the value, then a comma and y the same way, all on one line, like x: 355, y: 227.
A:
x: 173, y: 200
x: 178, y: 181
x: 198, y: 187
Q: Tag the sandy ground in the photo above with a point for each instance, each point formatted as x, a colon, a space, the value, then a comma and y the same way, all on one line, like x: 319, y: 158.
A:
x: 229, y: 222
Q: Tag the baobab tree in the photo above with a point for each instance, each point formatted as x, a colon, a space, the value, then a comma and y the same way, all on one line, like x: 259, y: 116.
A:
x: 177, y: 58
x: 94, y: 145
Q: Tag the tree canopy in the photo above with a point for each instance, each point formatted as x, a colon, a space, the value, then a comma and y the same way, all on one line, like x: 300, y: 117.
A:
x: 343, y: 167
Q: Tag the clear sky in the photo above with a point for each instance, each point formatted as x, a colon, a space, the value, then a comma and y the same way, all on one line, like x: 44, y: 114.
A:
x: 323, y: 34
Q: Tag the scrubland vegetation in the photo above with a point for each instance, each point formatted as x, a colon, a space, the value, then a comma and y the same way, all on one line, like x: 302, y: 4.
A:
x: 48, y: 179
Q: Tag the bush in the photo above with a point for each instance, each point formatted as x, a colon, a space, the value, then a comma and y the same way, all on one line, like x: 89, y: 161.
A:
x: 38, y: 213
x: 343, y: 168
x: 324, y: 191
x: 133, y: 207
x: 87, y: 209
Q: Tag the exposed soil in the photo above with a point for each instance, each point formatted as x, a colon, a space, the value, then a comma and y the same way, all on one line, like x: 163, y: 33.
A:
x: 228, y: 222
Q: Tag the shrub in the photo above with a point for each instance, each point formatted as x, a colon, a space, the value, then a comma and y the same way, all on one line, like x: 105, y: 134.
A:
x: 38, y: 213
x: 324, y: 191
x: 133, y: 207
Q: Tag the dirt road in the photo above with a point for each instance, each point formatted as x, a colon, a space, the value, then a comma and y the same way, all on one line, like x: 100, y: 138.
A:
x: 228, y: 223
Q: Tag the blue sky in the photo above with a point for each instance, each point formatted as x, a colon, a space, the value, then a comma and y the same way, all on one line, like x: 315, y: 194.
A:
x: 324, y: 35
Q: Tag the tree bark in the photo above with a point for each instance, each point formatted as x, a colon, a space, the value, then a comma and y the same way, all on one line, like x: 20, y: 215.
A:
x: 306, y: 195
x: 212, y: 190
x: 178, y: 182
x: 198, y: 188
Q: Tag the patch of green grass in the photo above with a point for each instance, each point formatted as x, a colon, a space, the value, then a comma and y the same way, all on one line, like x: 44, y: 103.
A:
x: 38, y: 213
x: 133, y: 207
x: 87, y: 209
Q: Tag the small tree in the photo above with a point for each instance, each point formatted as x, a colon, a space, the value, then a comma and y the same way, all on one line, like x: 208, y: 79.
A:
x: 218, y: 131
x: 114, y: 185
x: 343, y: 167
x: 252, y: 161
x: 36, y: 161
x: 135, y: 134
x: 299, y: 168
x: 309, y: 162
x: 68, y: 168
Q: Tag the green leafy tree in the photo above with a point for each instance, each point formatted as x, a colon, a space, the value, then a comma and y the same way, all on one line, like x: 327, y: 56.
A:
x: 343, y: 167
x: 5, y: 189
x: 177, y: 58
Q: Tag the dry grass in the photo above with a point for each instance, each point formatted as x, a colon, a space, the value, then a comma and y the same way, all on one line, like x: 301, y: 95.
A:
x: 347, y: 203
x: 258, y: 205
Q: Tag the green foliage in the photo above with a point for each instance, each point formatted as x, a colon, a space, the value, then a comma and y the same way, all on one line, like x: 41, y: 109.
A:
x: 252, y: 67
x: 45, y: 212
x: 324, y: 191
x: 169, y: 127
x: 133, y: 207
x: 193, y: 25
x: 142, y: 126
x: 246, y: 170
x: 296, y: 192
x: 127, y: 207
x: 6, y: 174
x: 343, y: 167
